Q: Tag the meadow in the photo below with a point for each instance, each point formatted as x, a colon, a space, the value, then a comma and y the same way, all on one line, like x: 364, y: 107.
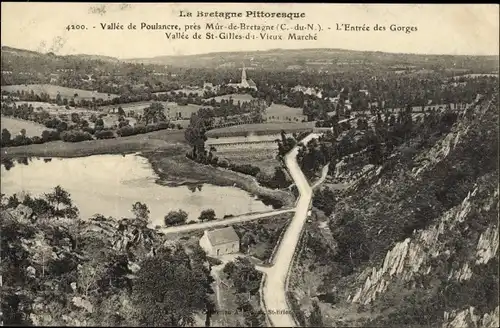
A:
x: 171, y: 108
x: 235, y: 96
x: 53, y: 90
x: 15, y: 125
x: 163, y: 139
x: 264, y: 159
x: 283, y: 110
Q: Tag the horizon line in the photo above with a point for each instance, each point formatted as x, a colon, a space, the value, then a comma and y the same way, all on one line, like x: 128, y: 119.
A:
x: 255, y: 51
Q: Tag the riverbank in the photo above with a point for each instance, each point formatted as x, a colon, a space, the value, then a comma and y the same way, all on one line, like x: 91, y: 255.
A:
x: 165, y: 150
x: 174, y: 169
x: 124, y: 145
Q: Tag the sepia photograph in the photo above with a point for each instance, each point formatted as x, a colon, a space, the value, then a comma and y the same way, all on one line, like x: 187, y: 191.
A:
x: 249, y: 164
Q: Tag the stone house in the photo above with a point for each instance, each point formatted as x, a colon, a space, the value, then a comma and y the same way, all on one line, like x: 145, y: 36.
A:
x: 220, y: 241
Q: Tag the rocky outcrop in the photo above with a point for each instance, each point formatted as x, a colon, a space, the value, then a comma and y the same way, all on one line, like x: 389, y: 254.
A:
x: 487, y: 247
x: 467, y: 318
x: 413, y: 255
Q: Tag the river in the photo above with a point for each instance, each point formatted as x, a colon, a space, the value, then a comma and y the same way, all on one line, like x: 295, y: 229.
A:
x: 110, y: 184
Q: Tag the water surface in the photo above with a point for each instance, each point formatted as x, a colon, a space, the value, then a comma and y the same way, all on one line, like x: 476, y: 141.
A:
x: 110, y: 184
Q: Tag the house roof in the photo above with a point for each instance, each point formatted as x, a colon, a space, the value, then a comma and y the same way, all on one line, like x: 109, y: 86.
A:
x: 222, y: 236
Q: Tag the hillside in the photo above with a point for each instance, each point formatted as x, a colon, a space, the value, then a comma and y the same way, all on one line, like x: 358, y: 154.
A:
x: 59, y: 270
x: 414, y: 240
x: 29, y: 53
x: 275, y: 59
x: 314, y: 58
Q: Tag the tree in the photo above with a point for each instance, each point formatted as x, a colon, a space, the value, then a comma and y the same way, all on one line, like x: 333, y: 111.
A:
x: 89, y: 274
x: 229, y: 268
x: 315, y: 318
x: 39, y: 206
x: 174, y: 218
x: 246, y: 278
x: 99, y: 123
x: 75, y: 118
x: 42, y: 251
x: 168, y: 291
x: 23, y: 132
x: 154, y: 113
x: 6, y: 137
x: 141, y: 211
x: 255, y: 318
x: 207, y: 215
x: 248, y: 239
x: 352, y: 241
x: 13, y: 201
x: 60, y: 197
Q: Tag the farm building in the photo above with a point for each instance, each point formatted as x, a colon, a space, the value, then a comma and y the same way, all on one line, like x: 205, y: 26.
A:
x: 308, y: 91
x: 220, y: 241
x: 259, y: 135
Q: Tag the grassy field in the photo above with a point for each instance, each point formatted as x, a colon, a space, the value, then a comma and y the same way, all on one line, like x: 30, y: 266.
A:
x: 175, y: 169
x: 260, y: 129
x: 164, y: 139
x: 109, y: 120
x: 199, y: 92
x: 283, y: 110
x: 15, y: 125
x: 48, y: 107
x: 171, y: 108
x: 264, y: 159
x: 54, y: 109
x: 53, y: 90
x: 235, y: 96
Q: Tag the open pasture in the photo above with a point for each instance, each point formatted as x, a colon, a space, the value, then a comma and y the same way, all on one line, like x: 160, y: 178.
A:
x: 15, y: 125
x: 172, y: 109
x: 54, y: 90
x: 235, y: 96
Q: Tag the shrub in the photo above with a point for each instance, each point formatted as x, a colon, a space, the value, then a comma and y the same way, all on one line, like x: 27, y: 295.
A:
x: 52, y: 123
x: 174, y: 218
x: 140, y: 129
x: 125, y: 131
x: 162, y: 126
x: 123, y: 123
x: 104, y: 134
x: 245, y: 169
x: 75, y: 136
x: 37, y: 140
x: 88, y: 129
x: 20, y: 140
x: 48, y: 135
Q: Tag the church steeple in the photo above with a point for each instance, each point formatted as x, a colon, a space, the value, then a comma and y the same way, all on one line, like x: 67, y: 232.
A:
x: 243, y: 75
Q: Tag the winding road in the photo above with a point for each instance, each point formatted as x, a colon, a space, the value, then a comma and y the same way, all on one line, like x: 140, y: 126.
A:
x: 218, y: 223
x: 275, y: 286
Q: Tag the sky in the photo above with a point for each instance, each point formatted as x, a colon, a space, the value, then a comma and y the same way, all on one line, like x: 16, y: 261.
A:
x: 457, y: 29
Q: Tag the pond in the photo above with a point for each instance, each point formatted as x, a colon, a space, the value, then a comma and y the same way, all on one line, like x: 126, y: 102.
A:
x: 110, y: 184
